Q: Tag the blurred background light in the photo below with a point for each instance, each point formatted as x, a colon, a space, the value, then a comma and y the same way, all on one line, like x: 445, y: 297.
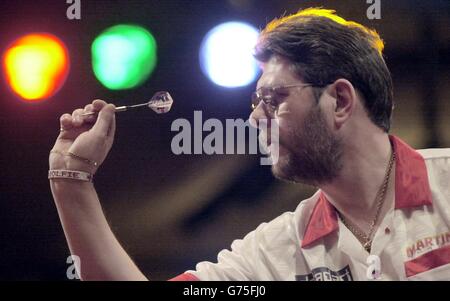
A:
x: 226, y: 54
x: 123, y: 56
x: 36, y: 66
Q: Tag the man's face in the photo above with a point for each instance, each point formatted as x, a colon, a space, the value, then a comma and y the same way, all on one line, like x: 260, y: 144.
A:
x: 309, y: 151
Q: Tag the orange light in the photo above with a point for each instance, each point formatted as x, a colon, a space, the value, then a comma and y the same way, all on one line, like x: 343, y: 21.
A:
x: 36, y: 66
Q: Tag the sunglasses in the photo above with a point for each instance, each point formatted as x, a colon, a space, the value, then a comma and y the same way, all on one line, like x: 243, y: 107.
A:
x: 271, y: 95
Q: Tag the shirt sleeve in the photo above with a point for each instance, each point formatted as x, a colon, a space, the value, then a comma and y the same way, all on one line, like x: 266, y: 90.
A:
x: 264, y: 254
x: 237, y: 264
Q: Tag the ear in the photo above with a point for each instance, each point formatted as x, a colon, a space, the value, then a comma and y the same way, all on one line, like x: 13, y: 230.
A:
x: 345, y: 100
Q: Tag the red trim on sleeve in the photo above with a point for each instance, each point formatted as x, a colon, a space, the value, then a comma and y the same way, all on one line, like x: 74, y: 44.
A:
x: 185, y: 277
x: 428, y: 261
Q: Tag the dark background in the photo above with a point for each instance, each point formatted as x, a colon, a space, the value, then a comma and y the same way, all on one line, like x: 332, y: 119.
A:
x: 171, y: 212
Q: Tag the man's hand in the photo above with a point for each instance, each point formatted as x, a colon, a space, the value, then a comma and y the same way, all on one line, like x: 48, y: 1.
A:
x: 89, y: 137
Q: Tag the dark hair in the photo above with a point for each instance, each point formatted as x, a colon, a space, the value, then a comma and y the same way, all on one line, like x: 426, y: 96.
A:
x: 324, y: 47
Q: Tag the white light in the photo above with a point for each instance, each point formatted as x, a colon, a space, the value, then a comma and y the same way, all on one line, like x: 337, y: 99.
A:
x: 226, y: 54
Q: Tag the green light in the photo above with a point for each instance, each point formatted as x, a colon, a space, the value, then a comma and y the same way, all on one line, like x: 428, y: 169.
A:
x: 123, y: 56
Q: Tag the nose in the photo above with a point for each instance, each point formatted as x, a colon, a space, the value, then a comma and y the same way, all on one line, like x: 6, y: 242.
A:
x: 259, y: 114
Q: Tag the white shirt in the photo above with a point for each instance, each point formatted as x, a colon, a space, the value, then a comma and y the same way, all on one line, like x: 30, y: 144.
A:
x: 311, y: 243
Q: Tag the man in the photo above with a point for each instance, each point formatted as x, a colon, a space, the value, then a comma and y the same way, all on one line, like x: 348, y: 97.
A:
x: 382, y: 210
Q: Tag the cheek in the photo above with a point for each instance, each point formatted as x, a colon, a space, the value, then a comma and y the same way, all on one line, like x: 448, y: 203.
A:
x: 282, y: 122
x: 290, y: 118
x: 285, y: 136
x: 286, y: 128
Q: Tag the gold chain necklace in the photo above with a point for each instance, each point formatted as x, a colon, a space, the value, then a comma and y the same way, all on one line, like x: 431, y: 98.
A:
x: 366, y: 239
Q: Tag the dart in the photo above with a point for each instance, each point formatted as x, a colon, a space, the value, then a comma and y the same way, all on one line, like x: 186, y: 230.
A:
x: 160, y: 103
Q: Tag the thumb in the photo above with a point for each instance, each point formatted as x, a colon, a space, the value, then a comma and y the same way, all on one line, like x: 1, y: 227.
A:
x: 105, y: 120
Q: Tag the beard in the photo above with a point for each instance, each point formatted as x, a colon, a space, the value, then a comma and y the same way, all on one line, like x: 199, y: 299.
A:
x: 313, y: 152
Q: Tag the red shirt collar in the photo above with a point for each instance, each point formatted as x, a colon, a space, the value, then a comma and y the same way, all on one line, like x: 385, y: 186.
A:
x: 411, y: 189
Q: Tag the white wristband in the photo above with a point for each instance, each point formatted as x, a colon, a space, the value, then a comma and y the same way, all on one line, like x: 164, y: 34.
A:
x: 70, y: 174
